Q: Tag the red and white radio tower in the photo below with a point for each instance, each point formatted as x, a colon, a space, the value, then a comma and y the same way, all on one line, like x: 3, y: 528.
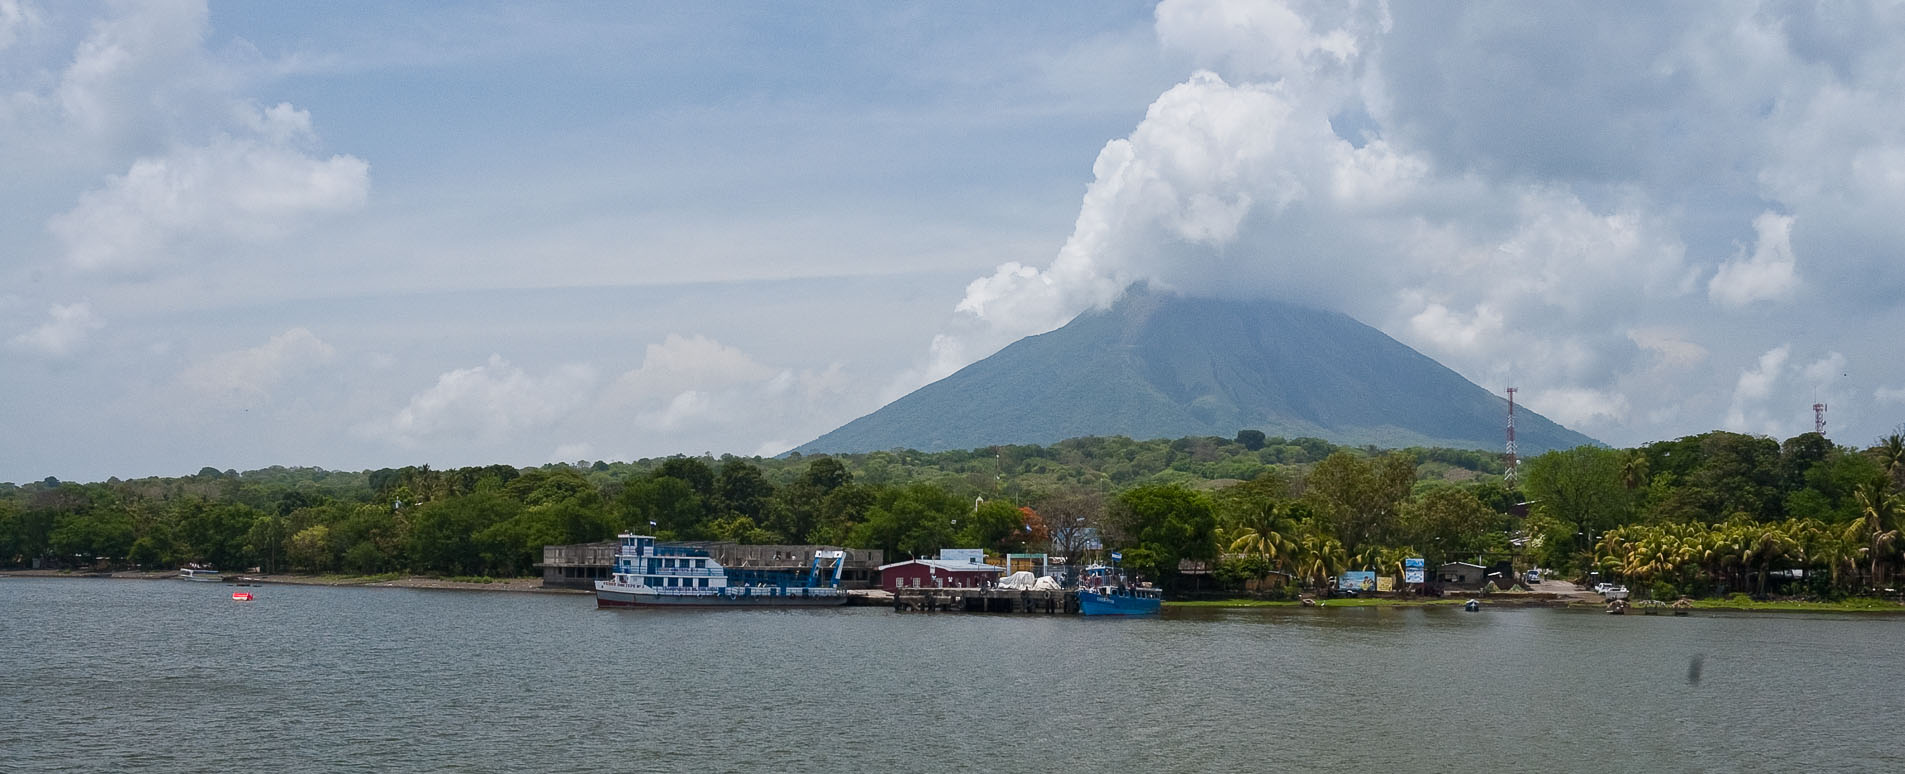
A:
x: 1514, y: 462
x: 1819, y: 418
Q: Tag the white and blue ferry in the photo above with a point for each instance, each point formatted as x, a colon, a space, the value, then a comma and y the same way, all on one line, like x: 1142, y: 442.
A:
x: 647, y: 573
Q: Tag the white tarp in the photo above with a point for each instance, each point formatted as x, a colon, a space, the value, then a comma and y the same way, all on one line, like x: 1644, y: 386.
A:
x: 1024, y: 581
x: 1020, y: 580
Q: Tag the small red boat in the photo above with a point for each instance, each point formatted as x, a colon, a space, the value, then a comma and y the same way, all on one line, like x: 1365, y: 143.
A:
x: 241, y: 596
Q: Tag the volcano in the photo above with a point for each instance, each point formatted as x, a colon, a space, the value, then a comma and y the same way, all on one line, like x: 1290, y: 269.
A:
x: 1156, y: 365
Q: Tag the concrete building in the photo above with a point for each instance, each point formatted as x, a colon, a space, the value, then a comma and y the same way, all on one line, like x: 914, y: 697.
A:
x: 1462, y: 575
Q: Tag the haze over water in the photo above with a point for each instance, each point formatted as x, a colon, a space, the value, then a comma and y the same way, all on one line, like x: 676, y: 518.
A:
x: 162, y: 675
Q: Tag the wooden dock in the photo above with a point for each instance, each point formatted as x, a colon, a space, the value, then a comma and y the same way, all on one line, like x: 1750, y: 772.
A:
x: 967, y: 600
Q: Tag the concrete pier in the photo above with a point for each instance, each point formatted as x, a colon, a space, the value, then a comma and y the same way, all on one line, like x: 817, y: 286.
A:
x: 993, y: 600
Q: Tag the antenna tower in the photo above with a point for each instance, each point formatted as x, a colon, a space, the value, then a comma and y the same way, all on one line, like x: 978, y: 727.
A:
x: 1514, y: 462
x: 1819, y: 418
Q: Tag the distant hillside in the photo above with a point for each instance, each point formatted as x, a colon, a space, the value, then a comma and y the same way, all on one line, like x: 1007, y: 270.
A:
x: 1163, y: 366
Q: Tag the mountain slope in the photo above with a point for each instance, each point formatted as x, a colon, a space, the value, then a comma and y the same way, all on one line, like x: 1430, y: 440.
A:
x: 1161, y: 366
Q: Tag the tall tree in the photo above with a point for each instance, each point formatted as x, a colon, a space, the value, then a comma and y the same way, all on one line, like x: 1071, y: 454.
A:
x: 1170, y: 523
x: 1360, y: 497
x: 1581, y: 488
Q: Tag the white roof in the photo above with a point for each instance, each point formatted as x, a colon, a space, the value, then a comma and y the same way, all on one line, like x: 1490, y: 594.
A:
x: 940, y: 564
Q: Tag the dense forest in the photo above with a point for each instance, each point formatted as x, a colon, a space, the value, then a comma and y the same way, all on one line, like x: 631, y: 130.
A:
x: 1713, y: 513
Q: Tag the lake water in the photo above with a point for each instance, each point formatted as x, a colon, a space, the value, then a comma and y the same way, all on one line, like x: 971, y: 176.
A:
x: 109, y: 675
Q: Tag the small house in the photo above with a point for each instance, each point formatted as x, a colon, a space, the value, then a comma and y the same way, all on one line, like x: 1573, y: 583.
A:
x: 938, y: 573
x: 1462, y: 575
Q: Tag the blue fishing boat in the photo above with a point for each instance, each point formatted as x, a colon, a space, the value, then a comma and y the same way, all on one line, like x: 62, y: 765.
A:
x: 1120, y: 600
x: 1105, y: 591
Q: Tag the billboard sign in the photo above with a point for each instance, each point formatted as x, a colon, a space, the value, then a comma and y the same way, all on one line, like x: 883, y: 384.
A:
x: 1358, y: 580
x: 1412, y: 570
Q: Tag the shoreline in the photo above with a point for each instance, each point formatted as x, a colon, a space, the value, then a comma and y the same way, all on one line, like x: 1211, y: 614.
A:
x: 534, y: 586
x: 509, y: 585
x: 1859, y: 605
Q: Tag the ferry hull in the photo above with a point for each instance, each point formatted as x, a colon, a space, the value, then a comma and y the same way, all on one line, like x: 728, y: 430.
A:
x: 1093, y: 603
x: 610, y: 597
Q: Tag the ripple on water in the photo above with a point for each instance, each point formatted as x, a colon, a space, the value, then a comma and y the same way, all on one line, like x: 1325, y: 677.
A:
x: 163, y: 676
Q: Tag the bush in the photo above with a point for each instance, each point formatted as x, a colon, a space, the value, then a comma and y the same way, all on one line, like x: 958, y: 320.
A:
x: 1664, y: 591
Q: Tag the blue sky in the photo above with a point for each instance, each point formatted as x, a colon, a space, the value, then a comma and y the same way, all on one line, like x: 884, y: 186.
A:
x: 366, y: 234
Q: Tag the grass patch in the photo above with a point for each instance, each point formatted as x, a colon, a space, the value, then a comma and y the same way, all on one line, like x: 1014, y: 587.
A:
x: 1339, y: 602
x: 1854, y: 605
x: 343, y: 580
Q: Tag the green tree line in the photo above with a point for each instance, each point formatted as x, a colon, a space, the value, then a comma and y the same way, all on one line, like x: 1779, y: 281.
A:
x: 1256, y: 512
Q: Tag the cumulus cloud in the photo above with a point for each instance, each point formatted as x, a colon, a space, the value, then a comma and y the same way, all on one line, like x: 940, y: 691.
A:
x: 237, y: 188
x: 683, y: 363
x: 1766, y: 275
x: 695, y: 385
x: 1825, y: 371
x: 1889, y: 394
x: 486, y: 404
x: 1579, y: 407
x: 248, y: 375
x: 1755, y: 385
x: 1492, y: 187
x: 63, y: 333
x: 1671, y: 348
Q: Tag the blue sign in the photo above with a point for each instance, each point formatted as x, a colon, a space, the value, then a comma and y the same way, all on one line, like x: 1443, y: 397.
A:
x: 1412, y: 570
x: 1117, y: 556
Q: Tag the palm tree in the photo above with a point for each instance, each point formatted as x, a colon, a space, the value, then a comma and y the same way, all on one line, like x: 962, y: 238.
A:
x: 1770, y: 543
x: 1317, y: 556
x: 1263, y: 532
x: 1878, y: 514
x: 1891, y: 454
x: 1634, y: 470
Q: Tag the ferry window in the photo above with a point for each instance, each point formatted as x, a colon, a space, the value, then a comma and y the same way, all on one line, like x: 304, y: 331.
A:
x: 701, y: 564
x: 702, y: 582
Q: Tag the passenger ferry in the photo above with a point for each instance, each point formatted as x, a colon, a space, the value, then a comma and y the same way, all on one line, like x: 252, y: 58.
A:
x: 650, y: 574
x: 195, y: 574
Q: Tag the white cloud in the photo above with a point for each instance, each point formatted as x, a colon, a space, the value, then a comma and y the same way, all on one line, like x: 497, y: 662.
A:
x: 1268, y: 40
x: 1755, y: 385
x: 1768, y: 275
x: 571, y: 452
x: 486, y: 404
x: 17, y: 17
x: 682, y: 363
x: 1889, y: 394
x: 248, y: 375
x: 64, y: 331
x: 1499, y: 193
x: 243, y: 189
x: 1579, y: 408
x: 1671, y: 348
x: 773, y: 448
x: 1825, y: 371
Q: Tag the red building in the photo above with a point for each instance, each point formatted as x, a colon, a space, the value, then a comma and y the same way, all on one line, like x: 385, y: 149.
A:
x: 931, y: 573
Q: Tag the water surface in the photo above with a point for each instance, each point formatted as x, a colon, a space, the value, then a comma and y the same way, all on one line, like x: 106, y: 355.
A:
x: 109, y: 675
